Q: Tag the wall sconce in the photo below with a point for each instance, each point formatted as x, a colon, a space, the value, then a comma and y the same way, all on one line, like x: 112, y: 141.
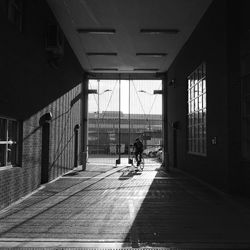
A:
x: 46, y: 118
x: 158, y: 92
x: 171, y: 83
x: 92, y: 91
x: 176, y: 125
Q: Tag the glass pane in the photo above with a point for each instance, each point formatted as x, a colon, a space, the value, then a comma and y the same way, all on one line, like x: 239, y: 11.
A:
x: 204, y: 101
x: 12, y: 131
x: 2, y: 129
x: 189, y: 83
x: 192, y: 80
x: 196, y: 90
x: 12, y: 140
x: 191, y: 94
x: 11, y: 154
x: 200, y: 87
x: 2, y: 155
x: 204, y: 69
x: 189, y: 132
x: 196, y: 104
x: 200, y: 139
x: 205, y: 115
x: 204, y: 86
x: 200, y: 102
x: 200, y: 133
x: 195, y: 78
x: 192, y: 145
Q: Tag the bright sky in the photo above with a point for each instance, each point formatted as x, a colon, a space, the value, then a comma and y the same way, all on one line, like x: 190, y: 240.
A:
x: 140, y: 102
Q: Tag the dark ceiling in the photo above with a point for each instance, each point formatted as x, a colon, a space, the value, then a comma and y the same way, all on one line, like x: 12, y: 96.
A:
x: 127, y: 36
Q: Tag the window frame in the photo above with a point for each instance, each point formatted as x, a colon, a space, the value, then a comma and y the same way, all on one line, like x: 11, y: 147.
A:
x: 197, y: 111
x: 7, y: 142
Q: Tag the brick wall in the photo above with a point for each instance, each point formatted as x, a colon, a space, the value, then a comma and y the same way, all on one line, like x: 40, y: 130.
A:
x: 214, y: 41
x: 208, y: 43
x: 31, y: 87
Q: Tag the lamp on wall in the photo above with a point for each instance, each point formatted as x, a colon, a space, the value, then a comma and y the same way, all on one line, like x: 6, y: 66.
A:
x: 47, y: 117
x: 176, y: 125
x: 158, y: 92
x: 171, y: 83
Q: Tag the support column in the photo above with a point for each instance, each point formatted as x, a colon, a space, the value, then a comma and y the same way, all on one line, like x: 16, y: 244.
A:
x: 84, y: 123
x: 165, y: 123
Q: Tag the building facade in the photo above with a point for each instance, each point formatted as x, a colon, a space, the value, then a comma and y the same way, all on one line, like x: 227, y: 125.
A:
x: 39, y: 108
x: 103, y: 132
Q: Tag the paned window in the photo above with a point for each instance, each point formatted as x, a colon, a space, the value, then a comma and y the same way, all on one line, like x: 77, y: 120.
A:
x: 197, y: 110
x: 15, y: 13
x: 8, y: 142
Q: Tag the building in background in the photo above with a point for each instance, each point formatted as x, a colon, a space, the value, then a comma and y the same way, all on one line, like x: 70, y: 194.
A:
x: 103, y: 133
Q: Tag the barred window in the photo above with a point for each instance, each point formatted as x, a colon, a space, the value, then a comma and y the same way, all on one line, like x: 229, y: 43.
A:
x: 197, y: 105
x: 8, y: 142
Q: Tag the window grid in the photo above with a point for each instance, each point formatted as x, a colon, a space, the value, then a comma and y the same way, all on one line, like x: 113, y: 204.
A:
x: 197, y: 111
x: 8, y: 142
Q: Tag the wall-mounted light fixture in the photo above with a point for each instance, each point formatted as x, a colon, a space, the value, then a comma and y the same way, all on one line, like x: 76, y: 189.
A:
x: 158, y: 92
x: 159, y: 31
x: 144, y: 69
x: 105, y: 69
x: 97, y: 31
x: 101, y: 54
x: 151, y: 54
x: 175, y: 125
x: 155, y: 92
x: 92, y: 91
x: 46, y: 118
x: 171, y: 83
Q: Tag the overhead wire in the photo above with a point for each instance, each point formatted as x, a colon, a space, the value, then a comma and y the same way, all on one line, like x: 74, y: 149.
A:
x: 94, y: 95
x: 109, y: 100
x: 154, y: 99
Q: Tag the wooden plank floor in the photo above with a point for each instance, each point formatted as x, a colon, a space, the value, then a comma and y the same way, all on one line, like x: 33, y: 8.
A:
x: 110, y: 207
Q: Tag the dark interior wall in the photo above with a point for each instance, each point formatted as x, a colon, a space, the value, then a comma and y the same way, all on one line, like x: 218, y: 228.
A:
x: 25, y: 70
x: 31, y: 87
x: 208, y: 43
x: 245, y: 99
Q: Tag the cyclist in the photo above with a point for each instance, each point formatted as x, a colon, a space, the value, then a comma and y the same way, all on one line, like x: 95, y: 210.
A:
x: 138, y: 149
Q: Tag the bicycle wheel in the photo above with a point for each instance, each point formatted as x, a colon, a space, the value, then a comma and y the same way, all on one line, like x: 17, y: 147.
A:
x: 142, y: 164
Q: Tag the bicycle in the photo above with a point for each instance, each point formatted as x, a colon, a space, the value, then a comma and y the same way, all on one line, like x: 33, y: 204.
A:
x: 141, y: 165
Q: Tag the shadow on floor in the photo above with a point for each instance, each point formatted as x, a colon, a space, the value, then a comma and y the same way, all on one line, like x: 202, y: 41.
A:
x: 179, y: 210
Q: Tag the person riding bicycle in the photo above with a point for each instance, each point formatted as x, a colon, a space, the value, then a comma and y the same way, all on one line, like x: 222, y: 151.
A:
x: 138, y: 149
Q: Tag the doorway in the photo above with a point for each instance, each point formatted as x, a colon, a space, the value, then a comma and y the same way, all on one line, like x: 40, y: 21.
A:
x: 119, y: 111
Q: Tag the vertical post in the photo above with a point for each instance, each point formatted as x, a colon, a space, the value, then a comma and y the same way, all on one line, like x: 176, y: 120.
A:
x: 76, y: 132
x: 98, y: 116
x: 119, y: 150
x: 84, y: 123
x: 118, y: 161
x: 129, y: 125
x: 165, y: 162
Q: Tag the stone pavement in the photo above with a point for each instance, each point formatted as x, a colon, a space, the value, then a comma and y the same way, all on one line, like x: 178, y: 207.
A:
x: 112, y: 208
